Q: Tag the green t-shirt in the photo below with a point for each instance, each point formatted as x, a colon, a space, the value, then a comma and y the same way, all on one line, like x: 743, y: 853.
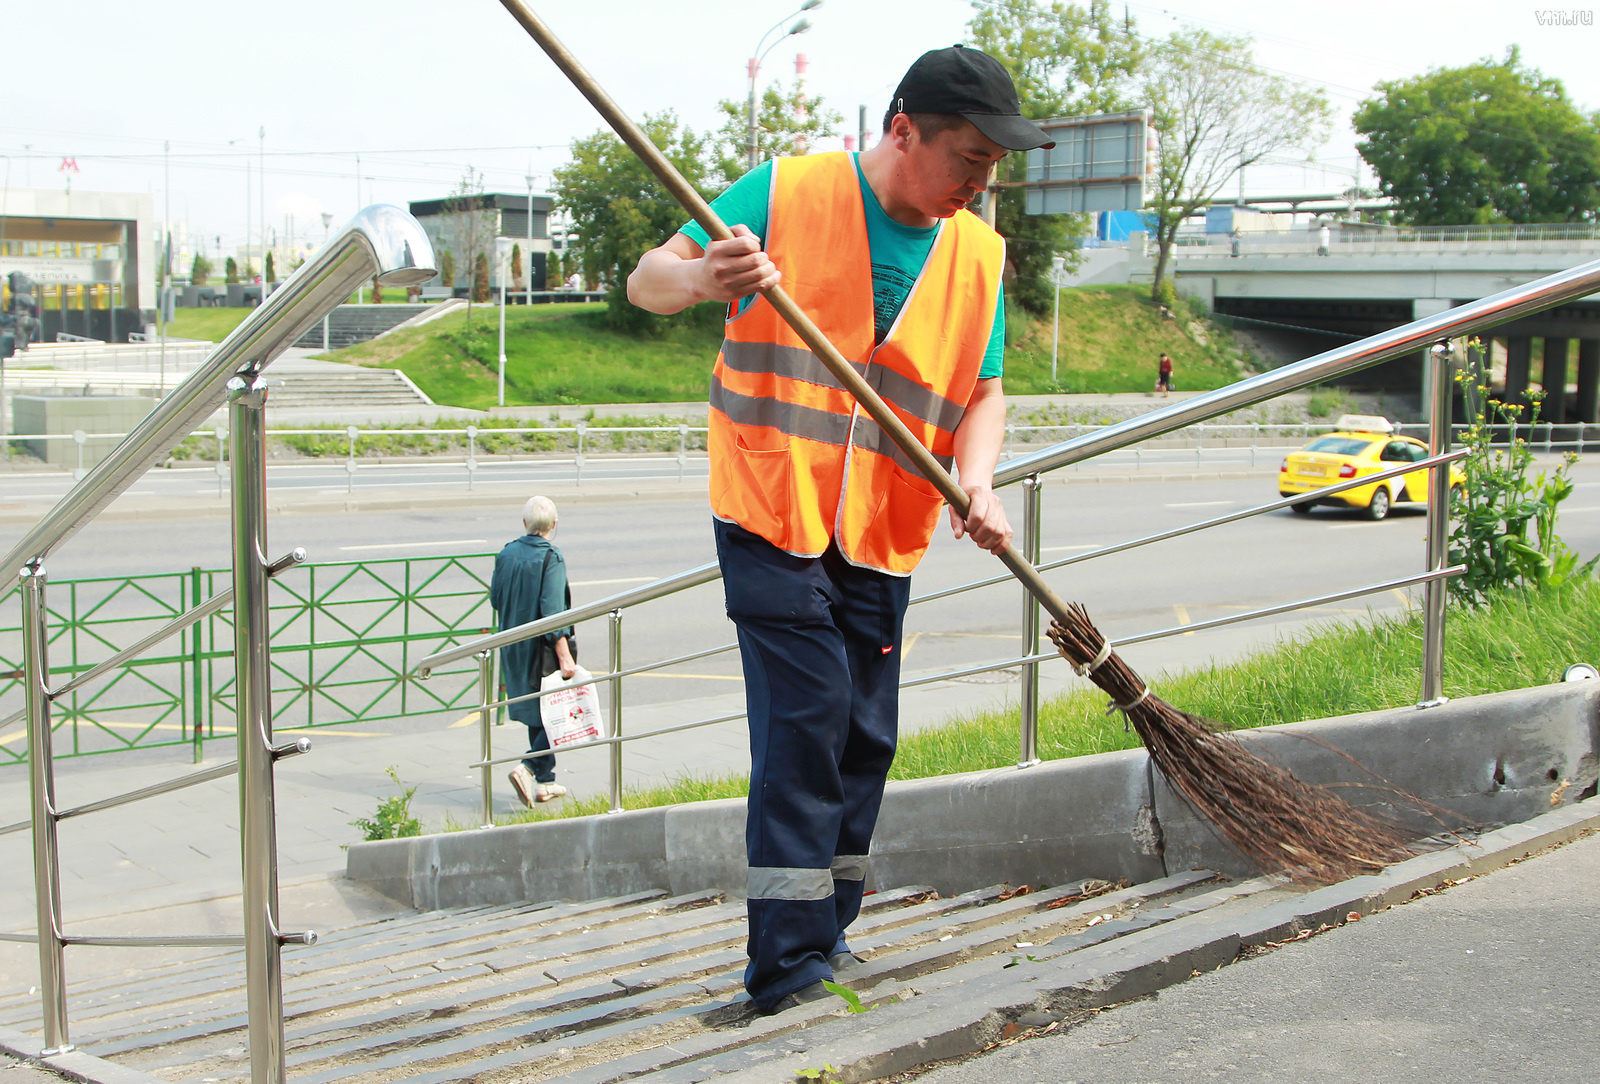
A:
x: 898, y: 253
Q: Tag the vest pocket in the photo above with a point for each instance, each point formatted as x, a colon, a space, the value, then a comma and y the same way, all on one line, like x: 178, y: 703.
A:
x: 908, y: 517
x: 764, y: 489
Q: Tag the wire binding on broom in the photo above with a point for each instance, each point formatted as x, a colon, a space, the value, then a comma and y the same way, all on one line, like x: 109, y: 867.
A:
x: 1275, y: 820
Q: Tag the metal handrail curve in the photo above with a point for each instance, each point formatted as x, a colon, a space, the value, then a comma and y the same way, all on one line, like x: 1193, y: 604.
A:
x: 380, y: 239
x: 1407, y: 339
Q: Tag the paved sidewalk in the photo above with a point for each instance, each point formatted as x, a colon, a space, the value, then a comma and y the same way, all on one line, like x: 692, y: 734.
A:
x: 1491, y: 979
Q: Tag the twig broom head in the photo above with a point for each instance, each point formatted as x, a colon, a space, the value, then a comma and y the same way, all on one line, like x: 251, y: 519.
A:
x: 1275, y: 820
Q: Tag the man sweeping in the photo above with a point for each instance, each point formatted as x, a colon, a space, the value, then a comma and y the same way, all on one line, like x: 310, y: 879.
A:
x: 819, y: 519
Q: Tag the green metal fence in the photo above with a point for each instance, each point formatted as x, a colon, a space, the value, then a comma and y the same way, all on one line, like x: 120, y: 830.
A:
x: 344, y: 636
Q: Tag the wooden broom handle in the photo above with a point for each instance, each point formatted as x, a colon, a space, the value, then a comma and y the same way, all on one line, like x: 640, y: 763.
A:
x: 810, y: 334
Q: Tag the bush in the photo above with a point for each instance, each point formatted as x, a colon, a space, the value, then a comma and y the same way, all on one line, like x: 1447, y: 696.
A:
x: 393, y: 819
x: 201, y: 271
x: 480, y: 278
x: 1327, y: 401
x: 1504, y: 523
x: 447, y: 269
x: 1167, y: 294
x: 230, y: 270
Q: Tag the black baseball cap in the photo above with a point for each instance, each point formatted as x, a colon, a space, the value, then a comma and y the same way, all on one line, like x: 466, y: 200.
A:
x: 971, y: 84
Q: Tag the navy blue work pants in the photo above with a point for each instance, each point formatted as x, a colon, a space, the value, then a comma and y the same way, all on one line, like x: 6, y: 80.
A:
x: 820, y: 640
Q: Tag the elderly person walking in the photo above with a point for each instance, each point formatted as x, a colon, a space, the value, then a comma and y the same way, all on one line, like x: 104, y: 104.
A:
x: 530, y: 582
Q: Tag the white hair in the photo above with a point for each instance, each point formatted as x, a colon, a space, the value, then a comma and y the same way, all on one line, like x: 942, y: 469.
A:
x: 539, y: 515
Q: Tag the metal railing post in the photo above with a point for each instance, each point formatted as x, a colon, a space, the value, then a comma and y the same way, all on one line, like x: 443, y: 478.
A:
x: 577, y: 460
x: 616, y: 711
x: 197, y: 660
x: 257, y: 816
x: 1028, y: 739
x: 486, y: 732
x: 683, y: 447
x: 42, y: 792
x: 1438, y: 532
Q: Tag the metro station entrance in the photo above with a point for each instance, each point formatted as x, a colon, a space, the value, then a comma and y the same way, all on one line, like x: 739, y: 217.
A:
x: 83, y: 271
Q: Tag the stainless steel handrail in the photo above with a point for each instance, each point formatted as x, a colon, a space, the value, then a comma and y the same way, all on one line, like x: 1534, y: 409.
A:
x: 1204, y: 524
x: 382, y: 242
x: 381, y: 239
x: 693, y: 577
x: 1411, y: 338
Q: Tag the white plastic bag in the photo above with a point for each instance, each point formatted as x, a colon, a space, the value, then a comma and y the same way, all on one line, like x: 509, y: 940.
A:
x: 571, y: 714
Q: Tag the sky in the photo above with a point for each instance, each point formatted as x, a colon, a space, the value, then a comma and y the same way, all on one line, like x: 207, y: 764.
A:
x: 395, y: 102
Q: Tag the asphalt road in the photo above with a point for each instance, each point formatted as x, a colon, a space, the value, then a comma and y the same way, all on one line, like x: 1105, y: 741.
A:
x: 613, y: 544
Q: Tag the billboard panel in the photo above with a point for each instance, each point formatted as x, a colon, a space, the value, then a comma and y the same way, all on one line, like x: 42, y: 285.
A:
x: 1097, y: 164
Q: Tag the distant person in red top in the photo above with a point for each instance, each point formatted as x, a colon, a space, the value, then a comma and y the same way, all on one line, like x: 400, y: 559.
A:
x: 1164, y: 376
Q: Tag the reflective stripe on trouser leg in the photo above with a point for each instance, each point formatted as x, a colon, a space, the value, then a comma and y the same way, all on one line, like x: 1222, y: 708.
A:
x: 849, y: 880
x: 822, y: 694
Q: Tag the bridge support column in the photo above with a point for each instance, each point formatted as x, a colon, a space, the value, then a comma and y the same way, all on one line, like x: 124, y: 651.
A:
x: 1519, y: 355
x: 1554, y: 379
x: 1588, y: 404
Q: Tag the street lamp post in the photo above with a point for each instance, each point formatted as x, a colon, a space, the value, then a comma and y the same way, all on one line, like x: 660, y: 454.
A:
x: 502, y: 247
x: 1058, y: 274
x: 527, y: 253
x: 753, y: 68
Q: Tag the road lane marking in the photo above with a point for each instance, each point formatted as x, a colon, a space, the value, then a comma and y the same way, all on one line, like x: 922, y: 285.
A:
x: 1199, y: 504
x: 702, y: 677
x: 1183, y: 616
x: 1405, y: 599
x: 620, y: 579
x: 1064, y: 549
x: 416, y: 545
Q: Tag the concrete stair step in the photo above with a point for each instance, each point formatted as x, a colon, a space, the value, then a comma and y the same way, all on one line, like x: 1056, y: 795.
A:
x: 352, y: 324
x: 643, y: 985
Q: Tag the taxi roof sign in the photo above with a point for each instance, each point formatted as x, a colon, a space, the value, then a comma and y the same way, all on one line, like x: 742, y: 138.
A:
x: 1364, y: 423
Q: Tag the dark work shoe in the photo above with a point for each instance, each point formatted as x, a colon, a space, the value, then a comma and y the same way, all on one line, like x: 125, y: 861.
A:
x: 846, y: 966
x: 806, y: 994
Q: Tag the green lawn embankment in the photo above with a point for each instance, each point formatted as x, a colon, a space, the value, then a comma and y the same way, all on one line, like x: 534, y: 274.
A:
x: 563, y: 354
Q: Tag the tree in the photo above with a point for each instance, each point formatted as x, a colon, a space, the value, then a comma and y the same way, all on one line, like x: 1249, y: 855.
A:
x: 272, y: 274
x: 1485, y: 143
x: 619, y: 210
x: 447, y: 270
x: 480, y: 278
x: 200, y: 273
x: 786, y: 124
x: 468, y: 224
x: 1215, y: 112
x: 230, y: 270
x: 1065, y: 60
x: 516, y: 267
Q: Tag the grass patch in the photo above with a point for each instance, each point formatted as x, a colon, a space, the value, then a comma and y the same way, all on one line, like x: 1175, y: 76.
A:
x: 554, y: 355
x: 210, y: 324
x: 1111, y: 338
x: 1523, y: 639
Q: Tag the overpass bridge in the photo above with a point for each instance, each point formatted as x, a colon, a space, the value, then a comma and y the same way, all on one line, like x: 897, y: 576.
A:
x: 1371, y: 279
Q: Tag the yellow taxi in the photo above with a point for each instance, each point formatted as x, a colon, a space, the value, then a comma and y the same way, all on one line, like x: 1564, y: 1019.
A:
x: 1361, y: 445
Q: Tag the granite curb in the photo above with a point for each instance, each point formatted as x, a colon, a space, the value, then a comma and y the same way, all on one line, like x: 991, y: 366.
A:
x: 72, y: 1064
x: 974, y: 1006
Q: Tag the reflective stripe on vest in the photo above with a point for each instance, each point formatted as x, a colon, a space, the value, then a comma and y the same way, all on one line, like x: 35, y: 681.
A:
x: 792, y: 458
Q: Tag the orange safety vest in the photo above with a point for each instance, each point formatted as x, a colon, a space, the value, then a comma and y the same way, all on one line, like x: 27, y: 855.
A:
x: 793, y: 458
